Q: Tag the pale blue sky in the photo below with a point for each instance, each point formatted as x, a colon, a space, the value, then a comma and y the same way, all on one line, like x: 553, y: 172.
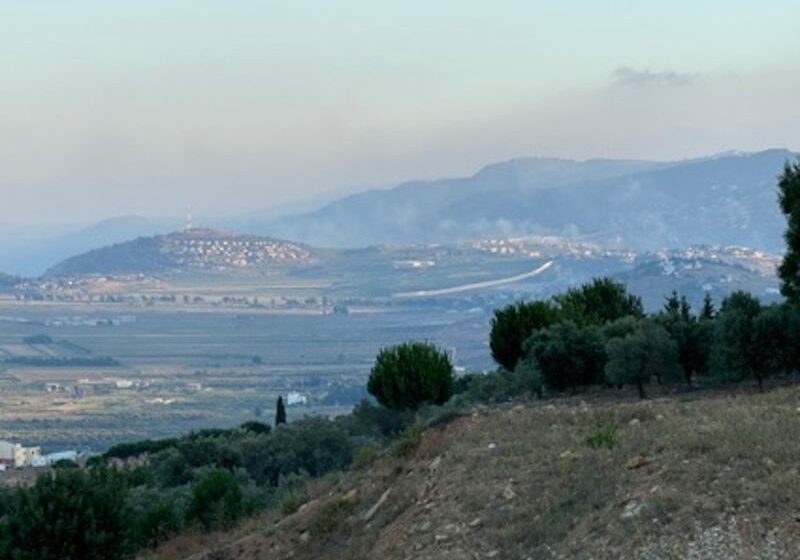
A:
x: 141, y: 106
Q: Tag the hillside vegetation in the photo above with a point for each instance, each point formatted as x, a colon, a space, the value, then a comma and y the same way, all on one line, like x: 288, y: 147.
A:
x: 710, y: 476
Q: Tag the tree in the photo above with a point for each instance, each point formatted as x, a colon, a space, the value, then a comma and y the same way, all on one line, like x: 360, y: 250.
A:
x: 771, y: 347
x: 409, y: 375
x: 598, y: 302
x: 280, y: 412
x: 256, y: 427
x: 513, y: 324
x: 789, y: 202
x: 638, y: 357
x: 567, y: 355
x: 734, y: 352
x: 216, y: 501
x: 69, y: 515
x: 708, y: 312
x: 689, y: 333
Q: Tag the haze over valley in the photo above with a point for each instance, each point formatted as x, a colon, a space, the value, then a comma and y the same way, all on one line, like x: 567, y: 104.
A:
x: 435, y: 280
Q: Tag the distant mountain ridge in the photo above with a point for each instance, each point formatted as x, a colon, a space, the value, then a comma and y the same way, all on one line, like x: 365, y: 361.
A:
x: 189, y: 250
x: 727, y: 199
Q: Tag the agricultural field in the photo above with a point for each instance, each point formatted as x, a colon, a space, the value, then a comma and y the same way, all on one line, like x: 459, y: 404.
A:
x: 87, y: 376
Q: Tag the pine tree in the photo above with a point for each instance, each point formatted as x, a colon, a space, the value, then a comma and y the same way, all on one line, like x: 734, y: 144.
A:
x: 708, y: 312
x: 789, y: 200
x: 280, y: 412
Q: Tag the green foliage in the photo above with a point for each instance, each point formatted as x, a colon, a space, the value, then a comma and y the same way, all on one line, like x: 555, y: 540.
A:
x: 603, y: 435
x: 513, y: 324
x: 376, y: 422
x: 771, y: 347
x: 789, y: 202
x: 289, y: 503
x: 280, y: 412
x: 734, y: 355
x: 331, y: 516
x: 256, y: 427
x: 568, y: 356
x: 408, y: 441
x: 598, y: 302
x: 692, y: 335
x: 501, y: 385
x: 69, y: 515
x: 134, y: 449
x: 158, y: 520
x: 708, y: 312
x: 646, y: 353
x: 409, y: 375
x: 216, y: 501
x: 364, y: 456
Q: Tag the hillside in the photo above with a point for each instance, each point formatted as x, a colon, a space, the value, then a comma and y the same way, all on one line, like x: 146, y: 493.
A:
x: 723, y: 200
x: 191, y: 250
x: 710, y: 476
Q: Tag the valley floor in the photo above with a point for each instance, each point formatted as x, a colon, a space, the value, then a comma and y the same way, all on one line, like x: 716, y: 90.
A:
x: 700, y: 477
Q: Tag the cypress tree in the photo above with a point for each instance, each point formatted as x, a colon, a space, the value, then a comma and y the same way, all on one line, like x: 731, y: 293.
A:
x: 789, y: 201
x: 280, y: 412
x: 708, y: 312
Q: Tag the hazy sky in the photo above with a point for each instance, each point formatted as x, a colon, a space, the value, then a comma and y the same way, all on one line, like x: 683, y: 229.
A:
x: 142, y: 106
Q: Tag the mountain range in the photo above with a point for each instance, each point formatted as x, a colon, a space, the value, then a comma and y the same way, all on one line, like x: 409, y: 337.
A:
x: 727, y: 199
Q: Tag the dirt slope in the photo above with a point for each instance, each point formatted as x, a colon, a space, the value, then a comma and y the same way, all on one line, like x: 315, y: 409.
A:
x: 699, y: 478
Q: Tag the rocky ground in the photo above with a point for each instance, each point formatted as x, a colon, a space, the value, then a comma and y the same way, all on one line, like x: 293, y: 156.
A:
x: 711, y: 477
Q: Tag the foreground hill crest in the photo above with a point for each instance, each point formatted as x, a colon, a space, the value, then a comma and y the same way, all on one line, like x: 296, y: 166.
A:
x: 195, y: 249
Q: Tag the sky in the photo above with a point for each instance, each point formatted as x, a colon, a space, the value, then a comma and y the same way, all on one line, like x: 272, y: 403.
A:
x: 234, y: 106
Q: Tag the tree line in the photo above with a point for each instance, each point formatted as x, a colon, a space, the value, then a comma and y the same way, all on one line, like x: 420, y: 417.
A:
x: 138, y: 494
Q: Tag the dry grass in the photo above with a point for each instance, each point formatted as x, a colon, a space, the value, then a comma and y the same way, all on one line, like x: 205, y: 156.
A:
x: 700, y: 479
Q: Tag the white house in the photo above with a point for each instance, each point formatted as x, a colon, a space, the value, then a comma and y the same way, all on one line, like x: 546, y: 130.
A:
x: 17, y: 455
x: 296, y: 399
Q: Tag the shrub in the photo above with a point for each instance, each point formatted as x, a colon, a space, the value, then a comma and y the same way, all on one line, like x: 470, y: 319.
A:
x: 216, y: 501
x: 69, y: 515
x: 289, y: 503
x: 364, y: 456
x: 408, y: 441
x: 256, y: 427
x: 156, y: 523
x: 410, y: 375
x: 602, y: 435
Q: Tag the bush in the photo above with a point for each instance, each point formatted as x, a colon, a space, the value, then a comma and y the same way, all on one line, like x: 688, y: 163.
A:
x: 256, y: 427
x: 408, y: 441
x: 409, y: 375
x: 156, y: 523
x: 602, y: 435
x: 216, y: 501
x: 289, y: 504
x: 69, y: 515
x: 364, y: 456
